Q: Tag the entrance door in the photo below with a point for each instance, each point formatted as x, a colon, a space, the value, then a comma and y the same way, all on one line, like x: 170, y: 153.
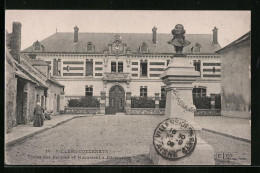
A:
x: 20, y: 102
x: 58, y: 103
x: 116, y: 99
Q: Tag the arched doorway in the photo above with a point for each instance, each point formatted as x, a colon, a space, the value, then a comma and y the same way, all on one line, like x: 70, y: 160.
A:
x: 116, y: 99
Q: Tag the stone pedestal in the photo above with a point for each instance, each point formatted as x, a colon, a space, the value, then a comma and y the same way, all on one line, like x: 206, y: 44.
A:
x: 178, y: 77
x: 202, y: 155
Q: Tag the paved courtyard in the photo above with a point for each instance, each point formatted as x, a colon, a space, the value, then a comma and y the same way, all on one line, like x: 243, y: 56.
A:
x: 108, y: 140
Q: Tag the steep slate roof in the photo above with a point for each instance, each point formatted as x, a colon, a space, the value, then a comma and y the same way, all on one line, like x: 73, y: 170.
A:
x: 26, y: 70
x: 64, y: 42
x: 13, y: 65
x: 245, y: 37
x: 52, y: 80
x: 38, y: 62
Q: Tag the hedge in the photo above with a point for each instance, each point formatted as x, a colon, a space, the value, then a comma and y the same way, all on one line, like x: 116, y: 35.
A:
x: 202, y: 102
x: 87, y: 101
x: 218, y: 101
x: 142, y: 102
x: 162, y: 103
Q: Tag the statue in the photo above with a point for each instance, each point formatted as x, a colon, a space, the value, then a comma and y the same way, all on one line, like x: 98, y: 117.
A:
x: 178, y: 40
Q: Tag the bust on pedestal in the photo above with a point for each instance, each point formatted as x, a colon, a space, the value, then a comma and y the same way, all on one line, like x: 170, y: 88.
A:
x: 178, y: 78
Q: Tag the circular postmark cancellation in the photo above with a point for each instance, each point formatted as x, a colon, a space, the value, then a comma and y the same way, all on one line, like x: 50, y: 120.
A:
x: 174, y: 138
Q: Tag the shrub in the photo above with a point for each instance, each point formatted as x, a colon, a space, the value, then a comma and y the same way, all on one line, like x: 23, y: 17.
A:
x: 87, y: 101
x: 162, y: 103
x: 73, y: 103
x: 142, y: 102
x: 202, y: 102
x: 218, y: 101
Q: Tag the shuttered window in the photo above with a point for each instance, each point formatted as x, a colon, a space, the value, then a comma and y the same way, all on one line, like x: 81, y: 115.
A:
x: 89, y: 68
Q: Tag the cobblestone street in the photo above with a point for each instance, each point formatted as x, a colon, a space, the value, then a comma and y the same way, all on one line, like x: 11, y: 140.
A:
x: 117, y: 139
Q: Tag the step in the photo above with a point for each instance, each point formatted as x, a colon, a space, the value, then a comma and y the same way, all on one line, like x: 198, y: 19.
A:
x: 120, y: 113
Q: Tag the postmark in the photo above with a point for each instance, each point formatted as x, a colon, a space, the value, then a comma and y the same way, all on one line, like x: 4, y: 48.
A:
x: 174, y: 139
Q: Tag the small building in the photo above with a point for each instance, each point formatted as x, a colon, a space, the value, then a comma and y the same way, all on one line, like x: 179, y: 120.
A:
x: 26, y: 83
x: 117, y: 63
x: 236, y: 78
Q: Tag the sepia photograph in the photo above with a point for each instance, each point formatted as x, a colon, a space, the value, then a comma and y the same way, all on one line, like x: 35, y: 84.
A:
x: 127, y: 87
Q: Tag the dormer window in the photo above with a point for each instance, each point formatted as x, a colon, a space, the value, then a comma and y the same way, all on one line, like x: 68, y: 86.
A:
x: 144, y: 48
x: 90, y: 47
x: 197, y: 47
x: 38, y: 46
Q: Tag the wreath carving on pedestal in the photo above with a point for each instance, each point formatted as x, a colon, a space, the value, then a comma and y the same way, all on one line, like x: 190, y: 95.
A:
x: 181, y: 102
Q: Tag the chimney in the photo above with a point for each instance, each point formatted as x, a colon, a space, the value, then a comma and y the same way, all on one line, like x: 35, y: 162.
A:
x: 215, y: 36
x: 15, y: 43
x: 76, y: 34
x: 154, y: 35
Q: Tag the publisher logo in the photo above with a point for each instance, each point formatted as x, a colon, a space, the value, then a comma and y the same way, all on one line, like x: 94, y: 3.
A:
x: 225, y: 156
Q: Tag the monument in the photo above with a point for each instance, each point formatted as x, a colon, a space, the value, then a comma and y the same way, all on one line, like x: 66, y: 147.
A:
x: 178, y: 78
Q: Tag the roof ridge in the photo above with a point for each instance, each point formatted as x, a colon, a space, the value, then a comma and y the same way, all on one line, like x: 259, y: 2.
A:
x: 119, y: 33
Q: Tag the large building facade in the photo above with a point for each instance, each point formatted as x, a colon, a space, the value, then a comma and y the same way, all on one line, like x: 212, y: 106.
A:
x: 116, y: 63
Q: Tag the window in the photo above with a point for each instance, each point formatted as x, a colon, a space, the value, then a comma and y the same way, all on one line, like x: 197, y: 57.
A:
x: 168, y: 61
x: 42, y: 101
x: 56, y: 67
x: 163, y: 93
x: 89, y: 67
x: 197, y: 65
x: 199, y: 92
x: 59, y: 67
x: 113, y: 66
x: 143, y: 91
x: 37, y: 47
x: 37, y: 98
x: 89, y: 91
x: 120, y: 67
x: 90, y: 47
x: 214, y: 69
x: 197, y: 47
x: 117, y: 67
x: 144, y: 48
x: 143, y: 68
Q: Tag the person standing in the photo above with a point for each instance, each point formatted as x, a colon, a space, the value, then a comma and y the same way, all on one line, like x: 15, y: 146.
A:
x: 38, y: 115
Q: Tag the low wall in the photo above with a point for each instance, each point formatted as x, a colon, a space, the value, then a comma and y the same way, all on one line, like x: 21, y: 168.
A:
x: 161, y: 111
x: 138, y: 111
x: 145, y: 111
x: 237, y: 114
x: 81, y: 110
x: 207, y: 112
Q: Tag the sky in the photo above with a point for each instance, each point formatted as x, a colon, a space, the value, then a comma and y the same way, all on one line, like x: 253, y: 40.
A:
x: 40, y: 24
